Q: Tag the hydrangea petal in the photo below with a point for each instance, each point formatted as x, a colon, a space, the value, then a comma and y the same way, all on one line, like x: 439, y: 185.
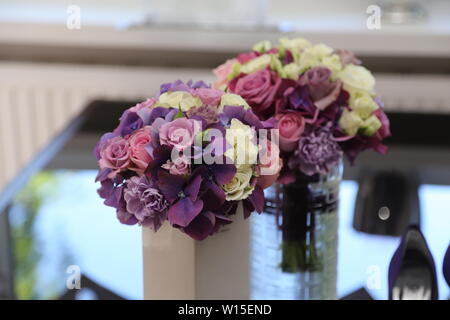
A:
x: 184, y: 211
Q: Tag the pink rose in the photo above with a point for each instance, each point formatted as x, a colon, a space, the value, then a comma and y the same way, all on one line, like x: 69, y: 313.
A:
x: 259, y: 89
x: 271, y: 164
x: 222, y: 73
x: 291, y: 125
x: 115, y: 155
x: 179, y: 133
x: 322, y: 90
x: 145, y: 104
x: 209, y: 96
x: 139, y: 157
x: 247, y: 56
x: 179, y: 166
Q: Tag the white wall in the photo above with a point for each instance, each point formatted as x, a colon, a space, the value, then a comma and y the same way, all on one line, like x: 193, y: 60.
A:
x: 306, y: 14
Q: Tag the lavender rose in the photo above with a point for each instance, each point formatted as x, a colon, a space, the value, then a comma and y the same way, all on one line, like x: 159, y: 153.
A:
x: 259, y: 89
x: 348, y: 57
x: 317, y: 152
x: 115, y: 155
x: 145, y: 104
x: 208, y: 96
x: 322, y: 90
x: 145, y: 202
x: 179, y: 133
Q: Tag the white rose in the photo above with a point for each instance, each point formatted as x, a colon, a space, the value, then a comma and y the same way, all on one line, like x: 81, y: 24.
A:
x: 239, y: 187
x: 231, y: 99
x: 357, y: 78
x: 350, y: 122
x: 242, y: 139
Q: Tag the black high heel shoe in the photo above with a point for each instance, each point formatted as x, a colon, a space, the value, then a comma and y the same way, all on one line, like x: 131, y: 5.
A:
x: 412, y: 272
x: 446, y: 266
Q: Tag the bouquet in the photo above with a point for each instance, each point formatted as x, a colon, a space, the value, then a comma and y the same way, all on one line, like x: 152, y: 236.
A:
x: 324, y: 106
x: 323, y: 100
x: 192, y: 156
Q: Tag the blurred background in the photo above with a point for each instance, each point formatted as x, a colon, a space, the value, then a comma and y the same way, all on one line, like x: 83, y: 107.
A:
x: 62, y: 63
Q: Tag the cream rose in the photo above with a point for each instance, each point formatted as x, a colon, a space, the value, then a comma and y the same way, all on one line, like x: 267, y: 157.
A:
x: 350, y: 122
x: 333, y: 63
x: 239, y: 187
x: 357, y: 78
x: 295, y: 44
x: 292, y: 71
x: 320, y: 50
x: 370, y: 126
x: 364, y: 105
x: 231, y: 99
x: 262, y: 46
x: 241, y: 137
x: 179, y: 99
x: 256, y: 64
x: 318, y: 55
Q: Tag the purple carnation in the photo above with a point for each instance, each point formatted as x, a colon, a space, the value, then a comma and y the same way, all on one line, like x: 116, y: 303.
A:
x: 317, y: 152
x: 208, y: 113
x: 145, y: 202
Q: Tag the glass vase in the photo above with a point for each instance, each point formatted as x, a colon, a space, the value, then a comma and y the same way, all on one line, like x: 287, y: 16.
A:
x: 294, y: 241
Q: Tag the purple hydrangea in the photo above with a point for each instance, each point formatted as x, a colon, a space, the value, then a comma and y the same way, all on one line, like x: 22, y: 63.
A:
x: 179, y: 85
x: 129, y: 123
x: 145, y: 202
x: 317, y: 152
